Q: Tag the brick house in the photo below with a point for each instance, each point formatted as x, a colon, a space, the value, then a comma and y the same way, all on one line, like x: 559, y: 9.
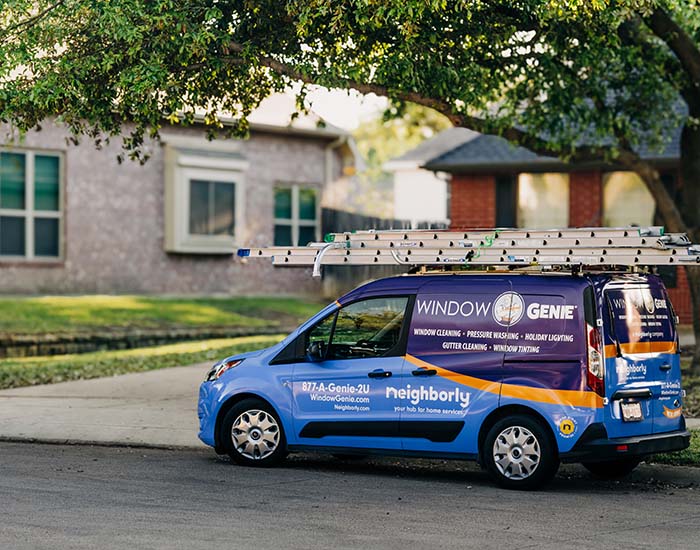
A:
x: 74, y: 220
x: 496, y: 184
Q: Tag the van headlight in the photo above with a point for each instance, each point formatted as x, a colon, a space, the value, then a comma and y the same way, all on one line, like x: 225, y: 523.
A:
x: 220, y: 368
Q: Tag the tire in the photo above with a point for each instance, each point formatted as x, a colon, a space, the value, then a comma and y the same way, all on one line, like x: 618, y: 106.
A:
x: 252, y: 434
x: 519, y: 453
x: 612, y: 469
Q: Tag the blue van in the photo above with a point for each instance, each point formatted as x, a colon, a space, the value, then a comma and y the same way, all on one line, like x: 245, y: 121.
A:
x: 517, y: 371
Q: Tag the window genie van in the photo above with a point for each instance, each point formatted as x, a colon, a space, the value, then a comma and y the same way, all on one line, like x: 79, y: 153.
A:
x: 520, y: 372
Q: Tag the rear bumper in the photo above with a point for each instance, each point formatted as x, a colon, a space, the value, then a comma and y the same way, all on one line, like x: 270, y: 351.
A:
x: 593, y: 448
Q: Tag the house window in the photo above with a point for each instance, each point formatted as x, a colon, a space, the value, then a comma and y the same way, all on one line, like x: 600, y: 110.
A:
x: 543, y: 200
x: 626, y: 200
x: 296, y: 216
x: 30, y: 205
x: 212, y: 207
x: 204, y: 185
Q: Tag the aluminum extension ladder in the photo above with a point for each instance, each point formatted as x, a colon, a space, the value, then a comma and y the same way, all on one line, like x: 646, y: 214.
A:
x: 571, y: 248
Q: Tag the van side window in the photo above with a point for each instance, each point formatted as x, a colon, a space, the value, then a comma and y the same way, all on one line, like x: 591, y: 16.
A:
x: 321, y: 333
x: 368, y: 328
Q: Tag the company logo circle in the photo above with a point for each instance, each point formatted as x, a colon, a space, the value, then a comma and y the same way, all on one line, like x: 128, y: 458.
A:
x: 567, y: 427
x: 508, y: 308
x: 649, y: 302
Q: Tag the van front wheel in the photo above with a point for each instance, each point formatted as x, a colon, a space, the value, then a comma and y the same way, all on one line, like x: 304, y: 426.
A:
x: 612, y: 469
x: 253, y: 435
x: 519, y: 454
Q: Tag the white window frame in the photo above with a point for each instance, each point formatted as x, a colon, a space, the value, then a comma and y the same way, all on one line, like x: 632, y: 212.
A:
x: 29, y: 213
x: 295, y: 222
x: 188, y: 159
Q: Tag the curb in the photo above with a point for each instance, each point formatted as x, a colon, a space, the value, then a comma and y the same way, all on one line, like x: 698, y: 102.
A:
x: 32, y: 345
x: 91, y: 443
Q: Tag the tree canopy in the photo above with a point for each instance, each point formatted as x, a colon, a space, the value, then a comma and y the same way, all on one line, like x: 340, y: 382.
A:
x: 400, y: 128
x: 551, y: 74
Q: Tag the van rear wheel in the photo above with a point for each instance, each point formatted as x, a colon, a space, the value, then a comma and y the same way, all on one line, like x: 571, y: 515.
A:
x: 612, y: 469
x: 519, y: 454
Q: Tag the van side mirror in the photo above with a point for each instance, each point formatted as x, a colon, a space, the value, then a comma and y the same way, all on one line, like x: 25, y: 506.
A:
x: 316, y: 352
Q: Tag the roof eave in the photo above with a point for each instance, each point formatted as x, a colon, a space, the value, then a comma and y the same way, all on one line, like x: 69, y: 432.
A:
x: 537, y: 166
x: 326, y: 132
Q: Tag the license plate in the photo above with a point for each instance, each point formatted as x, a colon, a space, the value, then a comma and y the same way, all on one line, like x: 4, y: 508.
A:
x: 631, y: 412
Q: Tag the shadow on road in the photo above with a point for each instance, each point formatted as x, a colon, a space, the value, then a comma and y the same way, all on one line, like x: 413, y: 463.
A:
x: 572, y: 478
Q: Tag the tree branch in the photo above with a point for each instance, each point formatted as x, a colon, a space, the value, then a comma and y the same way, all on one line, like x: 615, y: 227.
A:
x: 682, y: 45
x: 630, y: 33
x: 32, y: 20
x: 515, y: 135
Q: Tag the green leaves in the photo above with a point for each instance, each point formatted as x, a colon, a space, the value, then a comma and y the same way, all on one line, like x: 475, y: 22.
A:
x: 573, y: 71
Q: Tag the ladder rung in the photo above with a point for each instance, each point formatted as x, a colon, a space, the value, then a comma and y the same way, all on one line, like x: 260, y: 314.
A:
x: 493, y: 252
x: 425, y: 259
x: 481, y: 234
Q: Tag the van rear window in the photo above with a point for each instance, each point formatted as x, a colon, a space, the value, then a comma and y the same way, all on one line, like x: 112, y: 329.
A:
x: 641, y: 320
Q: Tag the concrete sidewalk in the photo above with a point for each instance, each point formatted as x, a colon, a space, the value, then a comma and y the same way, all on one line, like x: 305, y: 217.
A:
x: 155, y: 409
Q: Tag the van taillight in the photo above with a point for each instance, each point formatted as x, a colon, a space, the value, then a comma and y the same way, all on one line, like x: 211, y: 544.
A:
x: 596, y: 368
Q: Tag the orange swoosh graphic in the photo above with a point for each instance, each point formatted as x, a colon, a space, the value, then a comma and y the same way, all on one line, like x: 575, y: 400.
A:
x: 574, y: 398
x: 641, y: 347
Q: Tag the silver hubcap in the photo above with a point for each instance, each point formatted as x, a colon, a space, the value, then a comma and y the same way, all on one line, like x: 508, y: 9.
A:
x: 255, y: 434
x: 516, y: 453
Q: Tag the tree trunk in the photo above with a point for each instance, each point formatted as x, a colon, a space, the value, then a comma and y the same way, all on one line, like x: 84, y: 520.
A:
x: 679, y: 218
x: 694, y: 282
x: 690, y: 211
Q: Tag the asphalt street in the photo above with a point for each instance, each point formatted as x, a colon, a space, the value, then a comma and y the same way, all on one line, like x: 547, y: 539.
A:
x: 54, y: 496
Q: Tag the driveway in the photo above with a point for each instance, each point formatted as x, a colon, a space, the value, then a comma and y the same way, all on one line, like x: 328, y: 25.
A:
x: 156, y: 408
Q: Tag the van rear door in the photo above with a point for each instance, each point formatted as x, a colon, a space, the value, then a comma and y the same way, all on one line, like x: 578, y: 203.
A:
x: 642, y: 364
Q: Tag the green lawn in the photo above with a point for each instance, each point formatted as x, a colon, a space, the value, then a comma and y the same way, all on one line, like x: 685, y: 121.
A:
x: 691, y: 385
x: 31, y: 371
x: 50, y: 314
x: 689, y: 457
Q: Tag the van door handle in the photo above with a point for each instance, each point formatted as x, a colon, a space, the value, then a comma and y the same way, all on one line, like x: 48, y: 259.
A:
x: 642, y: 393
x: 665, y: 366
x: 424, y: 372
x: 379, y: 374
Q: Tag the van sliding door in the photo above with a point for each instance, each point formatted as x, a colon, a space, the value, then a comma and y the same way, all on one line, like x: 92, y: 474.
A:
x: 454, y: 360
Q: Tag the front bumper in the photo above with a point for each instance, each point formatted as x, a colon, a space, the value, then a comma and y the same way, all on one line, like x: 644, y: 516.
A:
x: 595, y: 446
x: 206, y: 413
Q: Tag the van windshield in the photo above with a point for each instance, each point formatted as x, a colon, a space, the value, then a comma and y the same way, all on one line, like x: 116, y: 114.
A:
x: 641, y: 320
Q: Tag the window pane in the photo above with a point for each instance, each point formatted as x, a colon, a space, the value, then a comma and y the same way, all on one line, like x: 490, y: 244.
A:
x: 307, y: 204
x: 199, y: 207
x: 12, y: 236
x: 370, y: 328
x: 283, y: 203
x: 46, y: 183
x: 12, y: 180
x: 224, y: 208
x: 626, y: 200
x: 321, y: 333
x: 46, y: 237
x: 307, y: 234
x: 283, y: 235
x: 543, y: 200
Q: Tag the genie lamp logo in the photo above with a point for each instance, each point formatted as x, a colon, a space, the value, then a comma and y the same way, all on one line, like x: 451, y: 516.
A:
x: 508, y: 308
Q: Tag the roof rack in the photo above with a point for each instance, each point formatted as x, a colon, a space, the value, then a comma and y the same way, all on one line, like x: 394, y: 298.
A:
x: 569, y: 248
